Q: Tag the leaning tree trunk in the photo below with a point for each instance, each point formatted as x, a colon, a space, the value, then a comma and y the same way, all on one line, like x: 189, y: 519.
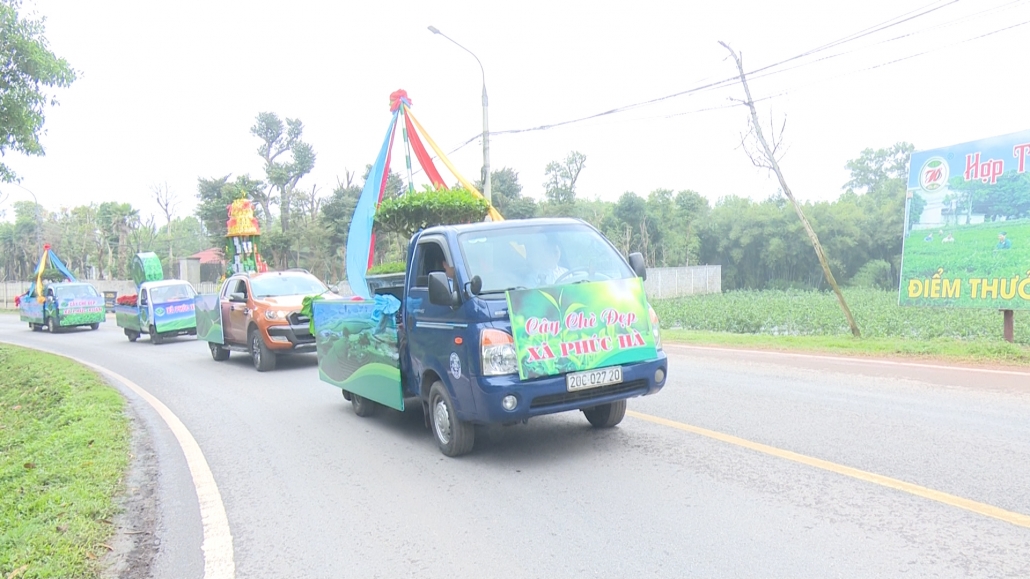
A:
x: 770, y: 157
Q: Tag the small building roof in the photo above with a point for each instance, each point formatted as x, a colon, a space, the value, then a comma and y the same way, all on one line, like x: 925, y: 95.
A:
x: 212, y: 255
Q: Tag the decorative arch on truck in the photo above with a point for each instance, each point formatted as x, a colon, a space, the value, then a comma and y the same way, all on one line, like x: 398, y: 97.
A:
x: 361, y: 236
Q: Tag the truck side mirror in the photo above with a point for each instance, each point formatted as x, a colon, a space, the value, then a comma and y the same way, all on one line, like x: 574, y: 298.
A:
x: 476, y: 285
x: 440, y: 292
x: 237, y: 297
x: 636, y: 261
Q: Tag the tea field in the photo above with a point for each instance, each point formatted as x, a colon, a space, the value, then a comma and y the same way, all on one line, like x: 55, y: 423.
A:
x: 810, y: 313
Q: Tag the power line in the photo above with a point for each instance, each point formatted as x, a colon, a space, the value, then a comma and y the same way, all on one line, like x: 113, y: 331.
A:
x: 906, y: 35
x: 895, y: 21
x: 897, y: 60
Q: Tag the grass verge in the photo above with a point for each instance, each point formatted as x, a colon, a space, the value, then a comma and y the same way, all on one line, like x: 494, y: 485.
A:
x: 941, y: 349
x: 64, y: 446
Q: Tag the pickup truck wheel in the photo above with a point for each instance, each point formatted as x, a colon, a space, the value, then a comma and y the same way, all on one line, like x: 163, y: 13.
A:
x: 52, y: 326
x: 132, y: 335
x: 453, y: 436
x: 219, y: 353
x: 606, y: 415
x: 264, y: 359
x: 36, y: 327
x: 94, y: 326
x: 362, y: 406
x: 155, y: 338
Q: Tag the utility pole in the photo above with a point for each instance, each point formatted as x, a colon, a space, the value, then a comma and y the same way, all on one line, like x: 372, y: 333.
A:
x: 486, y: 118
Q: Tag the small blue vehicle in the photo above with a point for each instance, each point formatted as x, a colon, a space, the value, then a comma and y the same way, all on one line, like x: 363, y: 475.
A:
x: 497, y: 322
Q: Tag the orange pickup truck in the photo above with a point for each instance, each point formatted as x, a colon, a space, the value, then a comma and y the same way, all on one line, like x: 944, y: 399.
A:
x: 260, y: 315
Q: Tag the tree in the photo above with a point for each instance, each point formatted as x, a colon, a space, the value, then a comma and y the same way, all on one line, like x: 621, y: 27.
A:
x: 282, y: 176
x: 883, y: 176
x: 560, y: 186
x: 116, y: 223
x: 506, y: 194
x: 338, y: 210
x: 27, y: 67
x: 767, y: 158
x: 166, y: 201
x: 874, y: 168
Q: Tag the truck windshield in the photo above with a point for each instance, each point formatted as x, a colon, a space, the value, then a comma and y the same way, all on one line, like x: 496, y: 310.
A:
x: 172, y: 293
x: 76, y: 292
x: 286, y: 285
x: 534, y: 256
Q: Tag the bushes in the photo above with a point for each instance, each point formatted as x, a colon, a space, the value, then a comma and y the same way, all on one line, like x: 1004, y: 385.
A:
x: 811, y: 313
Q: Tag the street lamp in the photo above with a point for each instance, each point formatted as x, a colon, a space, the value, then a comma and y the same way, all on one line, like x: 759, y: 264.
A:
x: 486, y: 121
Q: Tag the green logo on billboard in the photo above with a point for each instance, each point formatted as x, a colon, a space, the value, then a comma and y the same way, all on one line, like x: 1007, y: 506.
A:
x: 934, y: 174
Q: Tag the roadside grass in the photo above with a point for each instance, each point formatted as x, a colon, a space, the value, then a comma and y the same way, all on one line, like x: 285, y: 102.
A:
x: 980, y: 351
x: 64, y: 446
x: 812, y: 321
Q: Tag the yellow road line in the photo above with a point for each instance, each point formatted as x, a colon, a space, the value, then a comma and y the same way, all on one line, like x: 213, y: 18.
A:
x: 1018, y: 519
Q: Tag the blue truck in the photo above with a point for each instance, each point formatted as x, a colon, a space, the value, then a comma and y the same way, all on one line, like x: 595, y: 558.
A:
x: 497, y: 322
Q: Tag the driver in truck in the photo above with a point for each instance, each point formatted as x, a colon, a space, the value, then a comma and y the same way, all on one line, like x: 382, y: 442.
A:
x: 544, y: 258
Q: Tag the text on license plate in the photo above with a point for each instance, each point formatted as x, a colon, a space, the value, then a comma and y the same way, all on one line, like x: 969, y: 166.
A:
x: 593, y: 378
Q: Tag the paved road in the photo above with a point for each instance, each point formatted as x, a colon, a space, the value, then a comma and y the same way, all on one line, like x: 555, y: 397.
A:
x: 311, y: 490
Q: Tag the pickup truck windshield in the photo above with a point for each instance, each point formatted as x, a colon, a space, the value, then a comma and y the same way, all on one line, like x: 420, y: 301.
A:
x: 76, y: 291
x: 530, y: 257
x: 171, y: 293
x: 286, y: 285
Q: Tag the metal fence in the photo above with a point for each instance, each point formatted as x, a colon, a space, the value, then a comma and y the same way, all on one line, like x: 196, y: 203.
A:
x: 671, y: 282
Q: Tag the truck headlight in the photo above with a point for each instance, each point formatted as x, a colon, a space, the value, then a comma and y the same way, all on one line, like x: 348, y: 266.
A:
x: 655, y: 328
x: 497, y: 350
x: 274, y: 315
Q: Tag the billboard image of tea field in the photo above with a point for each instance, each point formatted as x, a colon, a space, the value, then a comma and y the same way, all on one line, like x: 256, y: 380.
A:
x: 580, y: 327
x: 358, y: 349
x: 967, y: 238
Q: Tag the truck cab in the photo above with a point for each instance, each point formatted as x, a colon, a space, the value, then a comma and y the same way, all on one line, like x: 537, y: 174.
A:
x: 65, y: 305
x: 499, y: 322
x: 163, y: 309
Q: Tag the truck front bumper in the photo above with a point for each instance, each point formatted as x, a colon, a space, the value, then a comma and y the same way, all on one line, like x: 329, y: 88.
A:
x: 550, y: 395
x: 293, y: 337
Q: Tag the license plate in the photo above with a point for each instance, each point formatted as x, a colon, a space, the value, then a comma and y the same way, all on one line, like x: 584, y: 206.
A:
x: 593, y: 378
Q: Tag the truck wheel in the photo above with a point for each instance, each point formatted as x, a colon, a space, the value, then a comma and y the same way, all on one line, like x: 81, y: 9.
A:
x: 606, y: 415
x: 94, y: 326
x: 155, y: 338
x: 346, y: 395
x: 219, y: 353
x: 132, y: 335
x: 36, y: 327
x: 362, y: 406
x: 264, y: 359
x: 453, y: 436
x: 52, y: 326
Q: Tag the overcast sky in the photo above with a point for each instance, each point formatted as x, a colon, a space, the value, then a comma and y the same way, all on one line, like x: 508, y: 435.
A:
x: 168, y: 91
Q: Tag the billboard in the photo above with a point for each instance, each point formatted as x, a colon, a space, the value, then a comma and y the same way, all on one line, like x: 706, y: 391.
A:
x: 967, y: 226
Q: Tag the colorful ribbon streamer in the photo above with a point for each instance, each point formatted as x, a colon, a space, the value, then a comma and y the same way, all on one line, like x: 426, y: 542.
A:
x: 494, y: 215
x: 359, y: 235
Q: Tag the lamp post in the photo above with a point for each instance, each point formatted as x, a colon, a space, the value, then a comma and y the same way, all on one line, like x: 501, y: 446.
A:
x: 486, y: 119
